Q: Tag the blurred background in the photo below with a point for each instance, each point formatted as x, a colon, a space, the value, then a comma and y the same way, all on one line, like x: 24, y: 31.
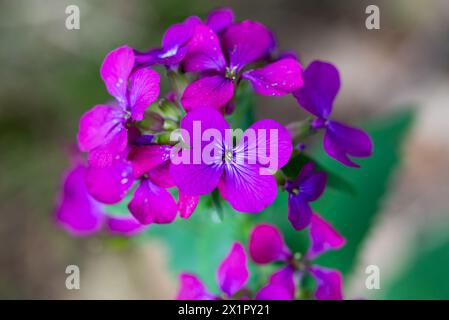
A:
x: 50, y: 77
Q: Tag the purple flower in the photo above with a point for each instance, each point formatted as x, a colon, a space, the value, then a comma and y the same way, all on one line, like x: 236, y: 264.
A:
x: 80, y: 214
x: 321, y: 85
x: 232, y: 275
x: 235, y: 170
x: 266, y: 245
x: 307, y: 187
x: 103, y: 129
x: 221, y: 63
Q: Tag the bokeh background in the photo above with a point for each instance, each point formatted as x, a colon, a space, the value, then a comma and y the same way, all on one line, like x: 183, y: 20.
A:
x: 50, y: 76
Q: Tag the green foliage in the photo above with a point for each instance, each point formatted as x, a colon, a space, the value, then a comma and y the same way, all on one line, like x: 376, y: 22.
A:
x: 425, y: 275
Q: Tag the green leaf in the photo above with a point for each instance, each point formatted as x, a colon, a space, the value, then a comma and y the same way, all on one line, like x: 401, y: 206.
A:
x: 351, y: 215
x: 425, y: 275
x: 243, y: 117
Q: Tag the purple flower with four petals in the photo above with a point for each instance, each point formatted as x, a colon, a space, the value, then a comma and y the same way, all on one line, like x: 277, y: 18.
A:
x: 266, y: 245
x: 316, y: 96
x: 235, y: 170
x: 222, y: 60
x: 307, y: 187
x: 103, y: 130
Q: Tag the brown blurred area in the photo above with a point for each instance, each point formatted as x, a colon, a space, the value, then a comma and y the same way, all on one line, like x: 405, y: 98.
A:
x: 50, y: 76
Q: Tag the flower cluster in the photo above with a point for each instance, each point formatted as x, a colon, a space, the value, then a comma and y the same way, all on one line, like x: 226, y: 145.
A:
x: 266, y: 245
x: 164, y: 152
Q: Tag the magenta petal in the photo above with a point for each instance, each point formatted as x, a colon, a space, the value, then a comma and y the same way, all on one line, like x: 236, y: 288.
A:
x: 232, y: 273
x: 341, y: 141
x: 246, y: 189
x: 321, y: 85
x: 195, y: 179
x: 323, y: 237
x: 329, y: 283
x: 102, y: 126
x: 191, y: 288
x: 145, y: 158
x: 179, y: 33
x: 115, y: 71
x: 205, y: 118
x: 276, y: 79
x: 246, y: 42
x: 78, y: 212
x: 275, y: 152
x: 285, y: 277
x: 174, y: 45
x: 187, y: 205
x: 219, y: 19
x: 152, y: 204
x: 110, y: 184
x: 161, y: 175
x: 266, y: 244
x: 299, y: 211
x: 213, y: 92
x: 197, y: 175
x: 273, y: 292
x: 126, y: 226
x: 143, y: 91
x: 204, y: 51
x: 281, y: 286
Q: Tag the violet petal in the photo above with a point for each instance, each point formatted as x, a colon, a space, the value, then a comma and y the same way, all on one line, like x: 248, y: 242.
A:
x: 321, y: 85
x: 115, y: 71
x: 276, y: 79
x: 152, y: 204
x: 266, y: 244
x: 323, y: 237
x: 329, y: 283
x: 232, y: 273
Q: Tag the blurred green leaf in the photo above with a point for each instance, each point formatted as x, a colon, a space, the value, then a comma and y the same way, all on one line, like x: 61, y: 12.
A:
x: 353, y: 216
x: 243, y: 117
x: 425, y: 276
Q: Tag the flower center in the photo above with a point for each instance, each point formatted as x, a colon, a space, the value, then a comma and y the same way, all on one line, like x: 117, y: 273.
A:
x: 228, y: 156
x: 231, y: 73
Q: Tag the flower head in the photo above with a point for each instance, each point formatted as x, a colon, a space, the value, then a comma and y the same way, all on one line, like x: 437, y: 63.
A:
x: 307, y: 187
x: 316, y: 96
x: 240, y: 172
x: 221, y: 62
x: 266, y: 245
x: 103, y: 129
